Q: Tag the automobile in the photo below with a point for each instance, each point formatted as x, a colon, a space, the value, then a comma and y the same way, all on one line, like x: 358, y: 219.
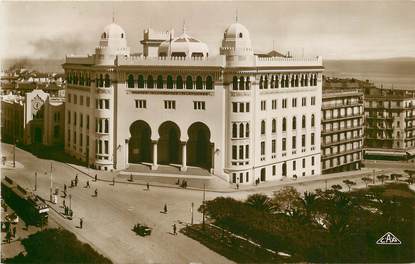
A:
x: 142, y: 230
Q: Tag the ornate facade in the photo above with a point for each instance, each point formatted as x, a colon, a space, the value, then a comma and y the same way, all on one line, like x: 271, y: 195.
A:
x: 239, y: 116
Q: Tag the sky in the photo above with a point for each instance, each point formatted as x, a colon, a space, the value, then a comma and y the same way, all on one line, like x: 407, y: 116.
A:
x: 332, y: 29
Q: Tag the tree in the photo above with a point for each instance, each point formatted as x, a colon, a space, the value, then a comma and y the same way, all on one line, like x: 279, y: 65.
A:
x: 260, y: 202
x: 382, y: 177
x: 349, y: 184
x: 309, y: 202
x: 286, y: 200
x: 411, y: 174
x: 336, y: 187
x: 366, y: 180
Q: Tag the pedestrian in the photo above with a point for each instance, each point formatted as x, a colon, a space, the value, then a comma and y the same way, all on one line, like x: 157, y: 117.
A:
x: 81, y: 222
x: 237, y: 186
x: 76, y: 177
x: 148, y: 186
x: 96, y: 177
x: 174, y: 229
x: 96, y: 192
x: 178, y: 181
x: 71, y: 183
x: 64, y: 188
x: 113, y: 181
x: 87, y: 184
x: 165, y: 208
x: 64, y: 194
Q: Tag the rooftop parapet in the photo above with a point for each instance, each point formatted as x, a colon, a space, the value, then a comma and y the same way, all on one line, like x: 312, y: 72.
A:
x: 72, y: 59
x: 287, y: 62
x: 218, y: 61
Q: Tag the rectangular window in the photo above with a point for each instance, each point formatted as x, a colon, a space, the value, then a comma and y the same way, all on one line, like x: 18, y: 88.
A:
x: 87, y: 122
x: 312, y: 139
x: 284, y: 144
x: 107, y: 103
x: 294, y: 165
x: 106, y: 146
x: 74, y: 137
x: 263, y: 105
x: 199, y: 105
x: 241, y: 152
x: 303, y: 141
x: 141, y: 104
x: 313, y: 100
x: 69, y: 117
x: 75, y: 99
x: 294, y: 102
x: 69, y: 137
x: 87, y: 101
x: 234, y: 152
x: 247, y: 107
x: 304, y: 101
x: 80, y: 140
x: 294, y: 143
x: 81, y: 100
x: 81, y: 120
x: 69, y: 98
x: 74, y: 118
x: 87, y: 142
x: 262, y: 148
x: 273, y: 146
x: 247, y: 152
x: 169, y: 104
x: 284, y: 103
x: 235, y: 107
x: 312, y: 161
x: 274, y: 170
x: 303, y: 163
x: 241, y: 107
x: 274, y: 104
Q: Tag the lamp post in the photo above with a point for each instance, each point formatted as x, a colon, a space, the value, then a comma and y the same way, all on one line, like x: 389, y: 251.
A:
x: 35, y: 181
x: 51, y: 184
x: 191, y: 209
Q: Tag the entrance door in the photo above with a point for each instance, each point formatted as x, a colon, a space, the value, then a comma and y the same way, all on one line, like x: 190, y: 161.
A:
x: 263, y: 174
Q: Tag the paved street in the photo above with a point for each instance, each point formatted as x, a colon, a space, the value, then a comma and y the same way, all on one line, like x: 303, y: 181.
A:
x: 109, y: 218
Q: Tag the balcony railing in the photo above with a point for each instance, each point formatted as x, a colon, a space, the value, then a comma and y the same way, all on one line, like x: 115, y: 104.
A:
x: 337, y: 130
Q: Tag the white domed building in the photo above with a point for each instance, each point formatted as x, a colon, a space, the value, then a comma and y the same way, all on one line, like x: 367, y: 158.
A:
x: 235, y: 116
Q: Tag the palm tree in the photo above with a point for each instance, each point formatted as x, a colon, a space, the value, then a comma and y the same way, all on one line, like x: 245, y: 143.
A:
x: 366, y: 180
x: 382, y: 177
x: 260, y: 202
x: 336, y: 187
x: 309, y: 201
x: 349, y: 183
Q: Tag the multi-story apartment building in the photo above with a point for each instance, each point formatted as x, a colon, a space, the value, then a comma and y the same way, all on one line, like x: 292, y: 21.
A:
x: 342, y: 118
x: 240, y: 117
x: 390, y: 123
x: 36, y: 118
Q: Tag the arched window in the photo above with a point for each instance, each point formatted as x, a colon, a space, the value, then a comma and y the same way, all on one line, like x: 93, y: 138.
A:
x: 179, y: 82
x: 122, y: 35
x: 274, y: 125
x: 266, y: 82
x: 209, y: 83
x: 189, y: 83
x: 284, y: 124
x: 303, y: 122
x: 199, y: 83
x: 296, y: 80
x: 306, y: 80
x: 169, y: 82
x: 272, y: 82
x: 160, y: 82
x: 261, y: 83
x: 101, y: 81
x: 140, y: 81
x: 247, y: 130
x: 240, y: 35
x: 81, y: 79
x: 263, y: 127
x: 130, y: 81
x: 248, y: 84
x: 104, y: 35
x: 292, y: 81
x: 88, y: 80
x: 107, y: 81
x: 235, y: 83
x: 294, y: 124
x: 241, y: 83
x: 75, y: 80
x: 234, y: 130
x: 315, y: 80
x: 287, y: 81
x: 150, y: 82
x: 302, y: 79
x: 277, y: 85
x: 312, y: 121
x: 241, y: 130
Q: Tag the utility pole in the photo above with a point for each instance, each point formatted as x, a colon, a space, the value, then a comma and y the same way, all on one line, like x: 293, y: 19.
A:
x: 35, y: 181
x: 203, y: 211
x: 51, y: 186
x: 191, y: 209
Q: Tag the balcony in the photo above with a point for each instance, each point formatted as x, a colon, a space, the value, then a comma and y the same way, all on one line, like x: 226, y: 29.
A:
x: 341, y: 117
x: 380, y: 138
x: 341, y: 153
x: 333, y: 106
x: 379, y: 128
x: 338, y: 130
x: 324, y: 144
x: 379, y: 117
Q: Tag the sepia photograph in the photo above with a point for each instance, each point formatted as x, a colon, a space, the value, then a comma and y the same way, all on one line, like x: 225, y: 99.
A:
x: 207, y: 131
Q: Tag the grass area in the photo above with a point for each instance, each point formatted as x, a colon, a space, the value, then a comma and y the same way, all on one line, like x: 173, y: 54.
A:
x: 57, y: 246
x: 233, y: 248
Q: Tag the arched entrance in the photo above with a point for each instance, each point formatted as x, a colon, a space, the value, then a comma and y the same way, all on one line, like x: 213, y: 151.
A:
x: 199, y: 148
x: 139, y: 145
x: 168, y: 147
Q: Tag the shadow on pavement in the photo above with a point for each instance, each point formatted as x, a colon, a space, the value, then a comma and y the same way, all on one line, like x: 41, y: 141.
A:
x: 55, y: 153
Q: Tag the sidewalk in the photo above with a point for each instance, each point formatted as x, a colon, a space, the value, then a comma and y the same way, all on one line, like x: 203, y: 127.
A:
x: 214, y: 183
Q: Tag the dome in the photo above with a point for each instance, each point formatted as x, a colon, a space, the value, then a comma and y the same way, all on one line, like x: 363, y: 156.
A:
x: 113, y: 35
x: 183, y: 46
x: 236, y: 40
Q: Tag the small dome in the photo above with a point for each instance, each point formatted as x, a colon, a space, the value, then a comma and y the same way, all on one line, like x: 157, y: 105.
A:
x: 113, y: 31
x: 183, y: 46
x: 236, y: 40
